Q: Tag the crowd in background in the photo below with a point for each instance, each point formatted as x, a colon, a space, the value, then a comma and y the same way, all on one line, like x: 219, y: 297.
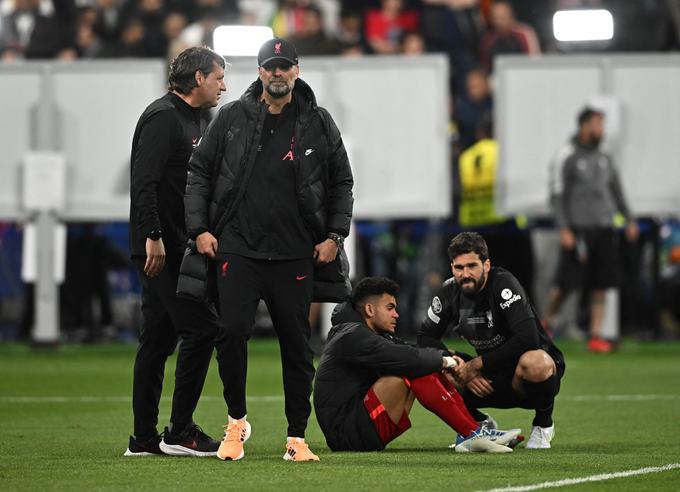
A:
x: 469, y: 32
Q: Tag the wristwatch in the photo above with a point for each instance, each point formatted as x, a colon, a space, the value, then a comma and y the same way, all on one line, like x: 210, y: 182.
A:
x: 155, y: 234
x: 337, y: 239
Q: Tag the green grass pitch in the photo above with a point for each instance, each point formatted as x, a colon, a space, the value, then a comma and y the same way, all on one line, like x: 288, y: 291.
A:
x: 65, y: 417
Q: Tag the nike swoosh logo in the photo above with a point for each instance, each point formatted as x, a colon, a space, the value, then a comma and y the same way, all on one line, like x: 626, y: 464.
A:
x: 301, y: 277
x: 309, y: 151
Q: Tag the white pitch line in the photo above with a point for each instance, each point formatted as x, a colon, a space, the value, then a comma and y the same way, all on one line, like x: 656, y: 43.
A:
x: 620, y: 397
x: 114, y: 399
x: 591, y: 478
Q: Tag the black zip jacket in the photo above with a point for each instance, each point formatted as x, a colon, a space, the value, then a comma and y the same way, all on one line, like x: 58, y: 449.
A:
x: 352, y: 361
x: 164, y: 138
x: 221, y: 165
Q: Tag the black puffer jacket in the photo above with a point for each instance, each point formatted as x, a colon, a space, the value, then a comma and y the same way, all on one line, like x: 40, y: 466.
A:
x: 324, y: 177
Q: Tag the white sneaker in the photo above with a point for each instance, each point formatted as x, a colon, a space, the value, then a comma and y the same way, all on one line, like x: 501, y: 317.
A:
x: 479, y: 441
x: 503, y: 437
x: 540, y: 437
x: 509, y: 438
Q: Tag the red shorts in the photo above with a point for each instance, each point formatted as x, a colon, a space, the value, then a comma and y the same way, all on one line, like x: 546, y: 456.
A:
x: 387, y: 430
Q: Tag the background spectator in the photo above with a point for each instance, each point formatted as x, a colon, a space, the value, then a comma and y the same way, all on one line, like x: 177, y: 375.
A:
x: 413, y: 44
x: 26, y: 32
x: 472, y: 106
x: 384, y: 27
x: 107, y: 23
x: 350, y: 32
x: 88, y: 43
x: 453, y: 27
x: 506, y: 35
x: 310, y: 38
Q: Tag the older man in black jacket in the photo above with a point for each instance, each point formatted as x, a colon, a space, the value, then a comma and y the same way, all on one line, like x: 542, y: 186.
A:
x: 164, y: 138
x: 269, y: 194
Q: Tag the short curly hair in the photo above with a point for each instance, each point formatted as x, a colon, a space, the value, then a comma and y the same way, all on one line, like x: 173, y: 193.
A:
x: 468, y: 242
x: 371, y: 287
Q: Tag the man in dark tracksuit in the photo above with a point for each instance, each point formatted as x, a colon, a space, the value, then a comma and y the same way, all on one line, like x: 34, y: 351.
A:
x: 517, y: 363
x: 281, y: 202
x: 163, y: 141
x: 367, y: 379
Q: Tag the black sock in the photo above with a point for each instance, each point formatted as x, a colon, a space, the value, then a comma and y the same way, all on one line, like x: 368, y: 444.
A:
x: 542, y: 396
x: 477, y: 415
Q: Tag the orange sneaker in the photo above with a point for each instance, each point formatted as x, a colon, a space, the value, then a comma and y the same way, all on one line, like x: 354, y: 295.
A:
x: 297, y: 450
x: 235, y: 434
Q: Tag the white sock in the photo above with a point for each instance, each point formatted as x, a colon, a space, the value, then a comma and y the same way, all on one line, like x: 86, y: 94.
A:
x: 291, y: 439
x: 232, y: 419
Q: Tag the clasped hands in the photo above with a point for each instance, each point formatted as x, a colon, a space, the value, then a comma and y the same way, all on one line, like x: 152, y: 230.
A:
x: 469, y: 375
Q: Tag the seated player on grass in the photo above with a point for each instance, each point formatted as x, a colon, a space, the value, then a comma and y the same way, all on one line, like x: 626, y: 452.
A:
x: 367, y: 380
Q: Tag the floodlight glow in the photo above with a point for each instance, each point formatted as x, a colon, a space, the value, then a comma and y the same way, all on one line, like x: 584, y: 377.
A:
x: 583, y: 25
x: 240, y: 40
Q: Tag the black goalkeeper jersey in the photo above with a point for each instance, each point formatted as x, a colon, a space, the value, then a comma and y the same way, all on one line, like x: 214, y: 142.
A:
x: 499, y: 322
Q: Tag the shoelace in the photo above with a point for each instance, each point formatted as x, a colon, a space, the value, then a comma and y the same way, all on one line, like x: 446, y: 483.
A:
x: 298, y: 448
x: 234, y: 431
x: 541, y: 433
x: 196, y: 431
x: 493, y: 433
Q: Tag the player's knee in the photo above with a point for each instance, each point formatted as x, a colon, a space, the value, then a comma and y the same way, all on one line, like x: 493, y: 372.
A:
x: 535, y: 366
x: 391, y: 382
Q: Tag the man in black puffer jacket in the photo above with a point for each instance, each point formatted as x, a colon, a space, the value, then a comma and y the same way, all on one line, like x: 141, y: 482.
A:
x: 269, y: 194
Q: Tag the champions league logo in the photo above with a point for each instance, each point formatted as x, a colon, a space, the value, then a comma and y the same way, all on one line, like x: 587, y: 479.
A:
x: 436, y: 305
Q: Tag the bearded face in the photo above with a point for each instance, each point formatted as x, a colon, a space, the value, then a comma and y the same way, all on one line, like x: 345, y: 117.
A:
x: 470, y: 272
x: 278, y: 78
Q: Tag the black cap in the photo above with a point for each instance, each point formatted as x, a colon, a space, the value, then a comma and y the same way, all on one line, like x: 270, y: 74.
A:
x: 277, y: 49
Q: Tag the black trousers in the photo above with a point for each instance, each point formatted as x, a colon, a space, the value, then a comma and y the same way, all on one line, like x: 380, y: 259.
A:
x: 286, y: 287
x: 168, y: 319
x: 505, y: 396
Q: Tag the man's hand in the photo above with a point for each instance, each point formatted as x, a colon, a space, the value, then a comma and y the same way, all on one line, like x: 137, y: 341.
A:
x: 155, y: 257
x: 469, y: 370
x: 325, y: 252
x: 449, y: 362
x: 470, y: 375
x: 632, y: 231
x: 480, y: 386
x: 567, y: 239
x: 206, y: 244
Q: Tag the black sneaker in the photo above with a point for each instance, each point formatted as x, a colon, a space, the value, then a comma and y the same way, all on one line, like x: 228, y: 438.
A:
x: 150, y: 447
x: 192, y: 441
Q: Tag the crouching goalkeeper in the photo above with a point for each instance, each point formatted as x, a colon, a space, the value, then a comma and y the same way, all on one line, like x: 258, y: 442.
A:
x: 368, y: 380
